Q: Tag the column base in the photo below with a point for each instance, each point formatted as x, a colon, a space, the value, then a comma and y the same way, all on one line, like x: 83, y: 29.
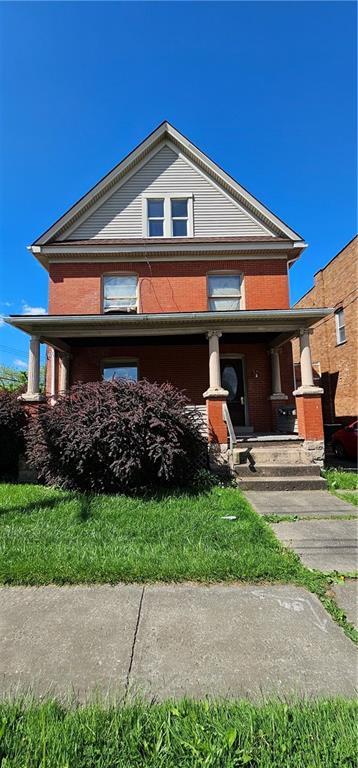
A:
x: 32, y: 397
x: 308, y: 390
x: 215, y: 392
x: 217, y: 428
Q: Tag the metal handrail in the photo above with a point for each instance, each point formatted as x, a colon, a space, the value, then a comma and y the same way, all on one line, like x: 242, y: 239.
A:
x: 228, y: 422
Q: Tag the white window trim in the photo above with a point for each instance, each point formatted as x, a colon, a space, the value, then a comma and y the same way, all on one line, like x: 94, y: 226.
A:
x: 227, y: 273
x: 339, y: 327
x: 135, y: 308
x: 168, y: 227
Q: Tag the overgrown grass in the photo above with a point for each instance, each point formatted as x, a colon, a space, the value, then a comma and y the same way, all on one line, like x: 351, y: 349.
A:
x: 320, y: 734
x: 48, y: 535
x: 338, y: 480
x: 343, y: 481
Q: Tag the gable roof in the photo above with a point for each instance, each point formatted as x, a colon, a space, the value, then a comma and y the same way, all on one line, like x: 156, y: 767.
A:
x: 165, y: 133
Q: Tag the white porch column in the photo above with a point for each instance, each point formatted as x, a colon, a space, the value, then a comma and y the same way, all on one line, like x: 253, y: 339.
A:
x: 306, y: 360
x: 307, y: 383
x: 277, y: 393
x: 64, y: 377
x: 215, y: 388
x: 33, y: 374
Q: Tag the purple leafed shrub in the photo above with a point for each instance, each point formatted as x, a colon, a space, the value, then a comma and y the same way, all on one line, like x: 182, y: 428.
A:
x: 114, y: 436
x: 12, y: 425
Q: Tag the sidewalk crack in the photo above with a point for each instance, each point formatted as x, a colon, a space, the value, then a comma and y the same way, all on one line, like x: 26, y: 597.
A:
x: 134, y: 644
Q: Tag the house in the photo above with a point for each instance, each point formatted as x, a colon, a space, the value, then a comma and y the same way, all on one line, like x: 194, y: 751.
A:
x: 168, y: 269
x: 334, y: 337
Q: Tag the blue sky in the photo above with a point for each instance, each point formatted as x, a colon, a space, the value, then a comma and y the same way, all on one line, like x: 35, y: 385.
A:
x: 267, y: 89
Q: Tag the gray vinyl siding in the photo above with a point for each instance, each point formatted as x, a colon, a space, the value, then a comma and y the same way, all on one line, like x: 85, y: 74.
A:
x: 215, y: 215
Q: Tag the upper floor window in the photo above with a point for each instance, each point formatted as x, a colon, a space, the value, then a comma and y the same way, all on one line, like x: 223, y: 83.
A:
x: 120, y: 293
x: 340, y: 327
x: 155, y: 217
x: 179, y: 216
x: 169, y: 216
x: 224, y: 292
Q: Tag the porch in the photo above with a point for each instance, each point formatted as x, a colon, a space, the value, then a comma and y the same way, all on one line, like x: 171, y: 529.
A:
x: 238, y: 365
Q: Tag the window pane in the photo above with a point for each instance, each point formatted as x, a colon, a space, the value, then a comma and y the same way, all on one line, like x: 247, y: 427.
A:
x: 155, y: 208
x: 179, y: 227
x: 120, y: 286
x: 179, y: 208
x: 155, y: 228
x: 120, y: 372
x: 119, y: 303
x: 224, y: 305
x: 224, y: 285
x: 229, y: 381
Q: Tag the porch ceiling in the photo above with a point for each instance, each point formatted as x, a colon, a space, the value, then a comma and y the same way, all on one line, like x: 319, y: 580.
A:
x: 285, y: 322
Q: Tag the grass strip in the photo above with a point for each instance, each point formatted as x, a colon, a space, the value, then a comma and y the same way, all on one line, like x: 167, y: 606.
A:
x: 185, y: 734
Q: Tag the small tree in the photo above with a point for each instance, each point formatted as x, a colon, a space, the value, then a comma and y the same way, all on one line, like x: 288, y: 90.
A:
x: 12, y: 425
x: 118, y: 435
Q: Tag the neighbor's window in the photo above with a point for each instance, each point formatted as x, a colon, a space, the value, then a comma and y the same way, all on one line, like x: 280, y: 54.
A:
x: 169, y: 216
x: 120, y: 371
x: 120, y: 293
x: 224, y: 292
x: 340, y: 327
x: 155, y: 211
x: 179, y: 213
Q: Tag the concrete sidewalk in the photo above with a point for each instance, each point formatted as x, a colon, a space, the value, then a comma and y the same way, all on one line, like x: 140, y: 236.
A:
x: 165, y: 641
x: 300, y: 503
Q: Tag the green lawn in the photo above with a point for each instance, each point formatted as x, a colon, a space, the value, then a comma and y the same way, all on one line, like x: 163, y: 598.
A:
x: 320, y: 734
x: 48, y: 535
x: 343, y: 481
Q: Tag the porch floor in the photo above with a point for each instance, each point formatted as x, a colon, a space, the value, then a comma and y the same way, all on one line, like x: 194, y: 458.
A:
x: 265, y: 437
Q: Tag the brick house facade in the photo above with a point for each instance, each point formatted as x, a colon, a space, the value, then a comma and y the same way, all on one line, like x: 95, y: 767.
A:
x: 334, y: 349
x: 169, y: 270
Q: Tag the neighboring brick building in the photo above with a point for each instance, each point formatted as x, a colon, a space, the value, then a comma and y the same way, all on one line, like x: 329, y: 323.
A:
x: 334, y: 340
x: 168, y: 269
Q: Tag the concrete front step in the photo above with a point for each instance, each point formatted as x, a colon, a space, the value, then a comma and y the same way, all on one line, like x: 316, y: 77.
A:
x: 266, y: 456
x: 276, y: 470
x: 291, y: 483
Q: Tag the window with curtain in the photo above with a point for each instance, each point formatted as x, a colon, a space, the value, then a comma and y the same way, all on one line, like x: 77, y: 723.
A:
x: 120, y: 293
x: 224, y: 292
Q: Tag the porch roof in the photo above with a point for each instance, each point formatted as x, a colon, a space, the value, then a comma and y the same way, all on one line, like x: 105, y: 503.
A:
x: 285, y: 322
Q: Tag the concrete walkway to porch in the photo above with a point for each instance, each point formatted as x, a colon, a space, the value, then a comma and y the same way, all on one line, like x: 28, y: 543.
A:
x: 163, y: 641
x: 322, y: 536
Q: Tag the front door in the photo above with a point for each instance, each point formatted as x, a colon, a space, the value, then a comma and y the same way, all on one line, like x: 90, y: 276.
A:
x: 232, y: 379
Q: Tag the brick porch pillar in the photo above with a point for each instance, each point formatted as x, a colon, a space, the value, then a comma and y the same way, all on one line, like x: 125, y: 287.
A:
x: 308, y: 396
x: 215, y: 396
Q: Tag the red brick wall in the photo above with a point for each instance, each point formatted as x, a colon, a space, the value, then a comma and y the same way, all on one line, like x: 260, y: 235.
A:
x: 179, y: 286
x: 187, y: 367
x: 336, y: 286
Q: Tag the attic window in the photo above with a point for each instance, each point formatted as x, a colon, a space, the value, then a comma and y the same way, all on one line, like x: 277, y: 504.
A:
x: 168, y: 216
x: 120, y: 293
x: 155, y: 217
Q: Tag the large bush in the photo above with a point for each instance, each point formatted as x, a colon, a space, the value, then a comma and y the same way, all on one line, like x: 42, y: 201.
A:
x: 117, y: 436
x: 12, y: 424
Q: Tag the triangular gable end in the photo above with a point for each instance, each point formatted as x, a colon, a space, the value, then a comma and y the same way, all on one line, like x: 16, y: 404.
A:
x: 216, y: 212
x: 238, y: 209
